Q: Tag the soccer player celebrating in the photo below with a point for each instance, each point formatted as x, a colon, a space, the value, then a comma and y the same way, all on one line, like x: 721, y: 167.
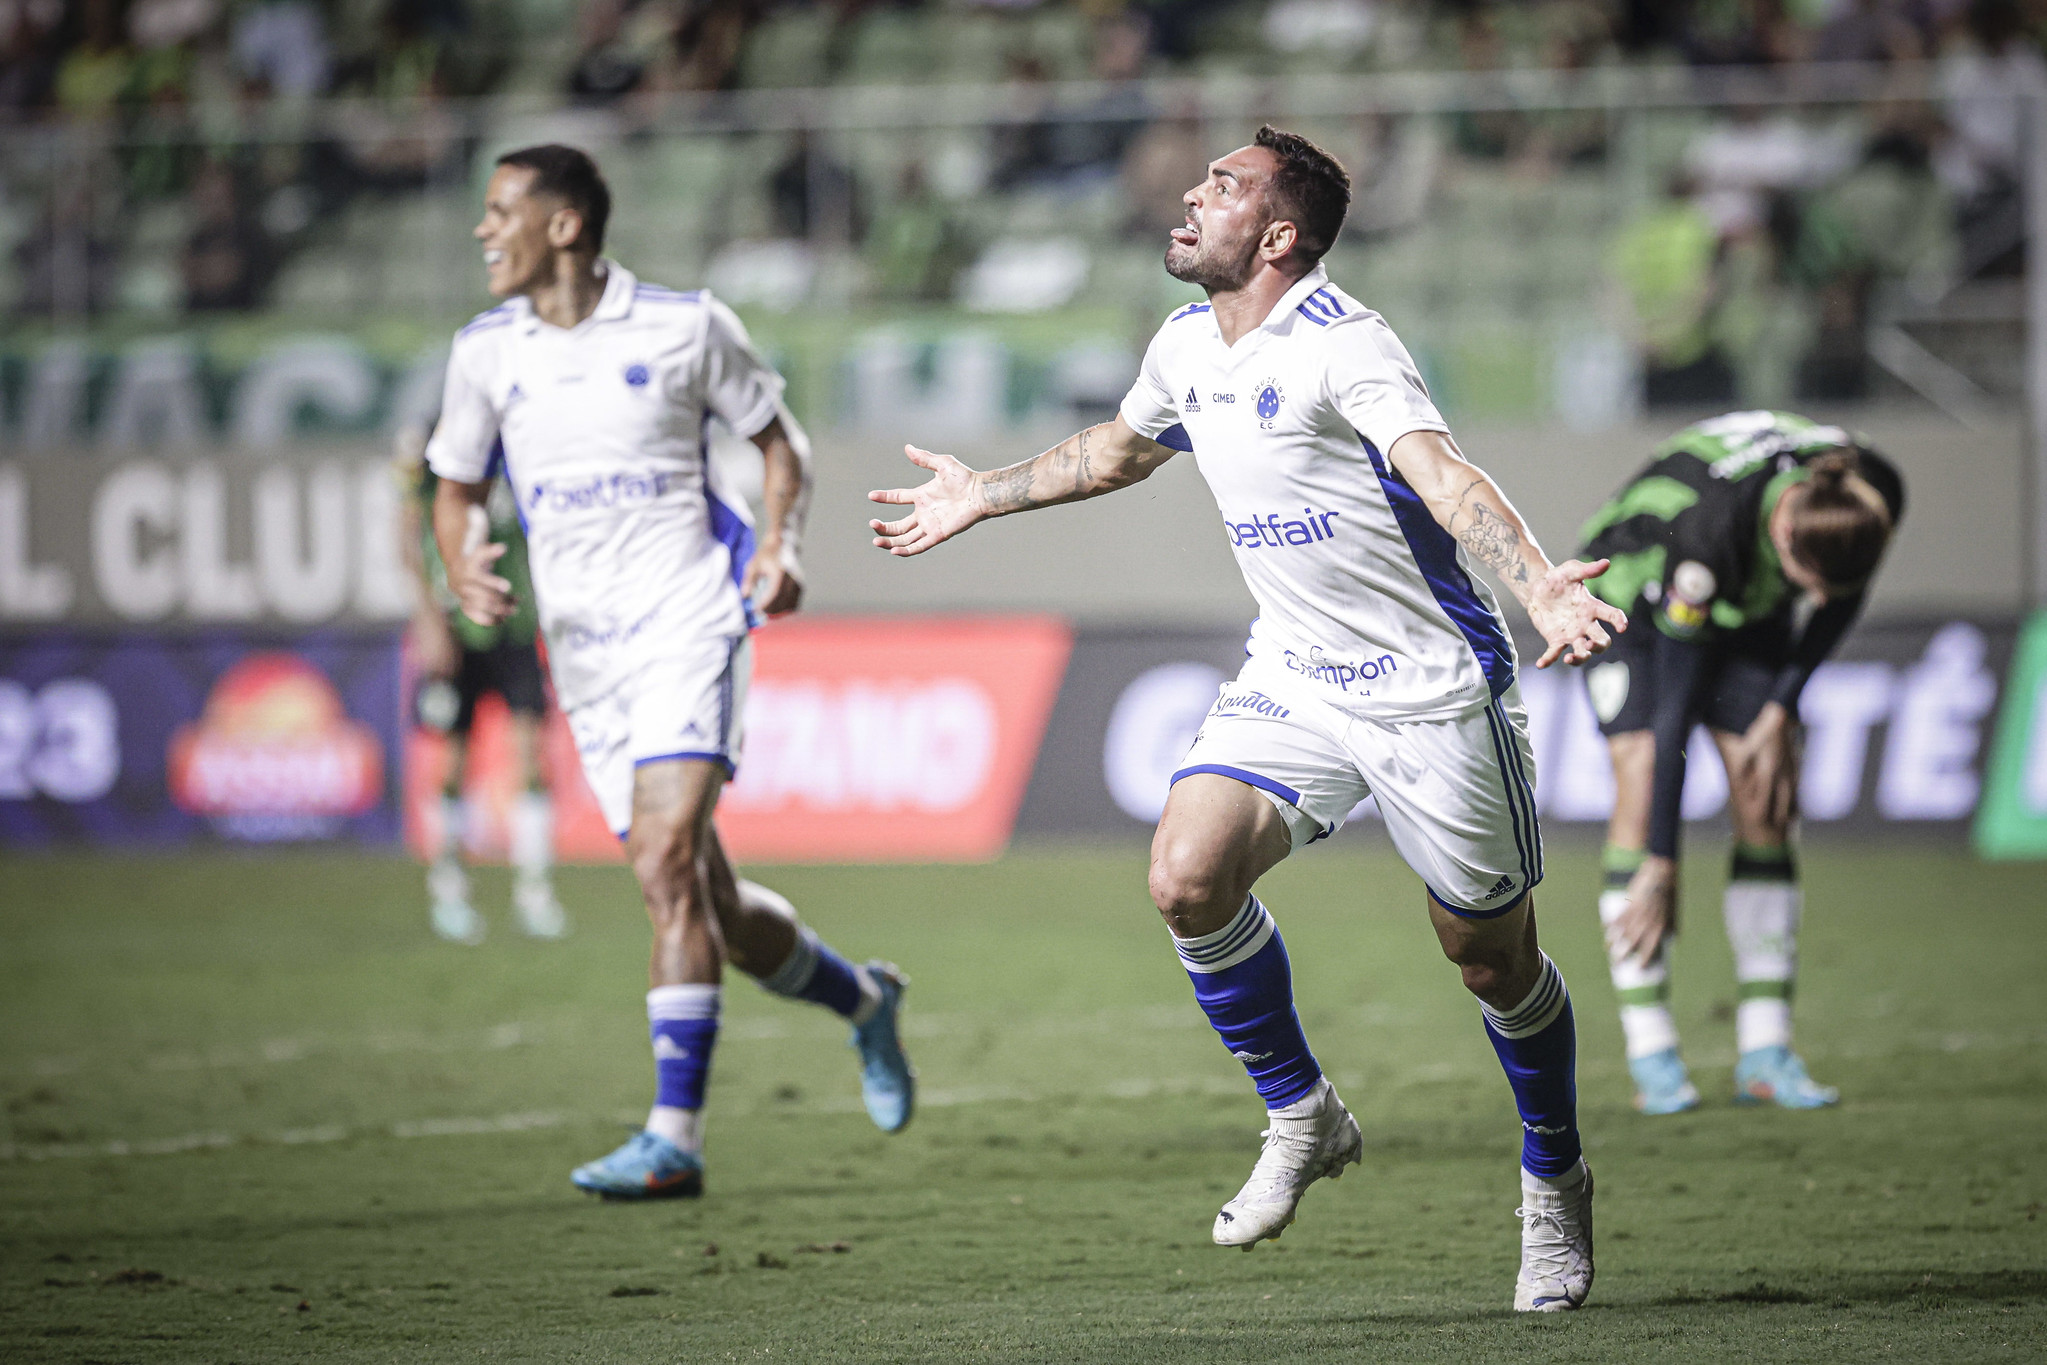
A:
x: 648, y: 580
x: 462, y: 661
x: 1715, y: 540
x: 1376, y: 666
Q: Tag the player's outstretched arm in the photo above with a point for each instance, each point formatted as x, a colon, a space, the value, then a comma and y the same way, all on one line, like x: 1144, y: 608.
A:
x: 462, y: 531
x: 1471, y: 507
x: 773, y: 582
x: 1098, y: 460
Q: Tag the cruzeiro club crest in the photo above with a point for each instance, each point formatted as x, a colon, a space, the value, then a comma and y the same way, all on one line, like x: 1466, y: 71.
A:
x: 1269, y: 399
x: 636, y: 376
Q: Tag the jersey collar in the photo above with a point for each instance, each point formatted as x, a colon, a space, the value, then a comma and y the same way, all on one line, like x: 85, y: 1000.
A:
x: 1317, y: 278
x: 614, y: 303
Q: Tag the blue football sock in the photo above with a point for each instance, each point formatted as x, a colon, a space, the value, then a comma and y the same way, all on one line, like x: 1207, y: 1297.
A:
x: 1245, y: 985
x: 815, y: 973
x: 1538, y: 1046
x: 684, y: 1023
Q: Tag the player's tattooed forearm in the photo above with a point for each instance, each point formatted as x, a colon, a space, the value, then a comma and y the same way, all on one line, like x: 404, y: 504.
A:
x: 1009, y: 489
x: 1083, y: 467
x: 1494, y: 542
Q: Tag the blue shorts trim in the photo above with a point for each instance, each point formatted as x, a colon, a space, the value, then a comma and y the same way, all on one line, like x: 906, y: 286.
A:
x: 1279, y: 789
x: 1463, y: 913
x: 703, y: 755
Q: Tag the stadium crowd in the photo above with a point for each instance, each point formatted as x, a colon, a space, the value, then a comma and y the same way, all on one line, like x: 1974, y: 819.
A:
x: 1753, y: 276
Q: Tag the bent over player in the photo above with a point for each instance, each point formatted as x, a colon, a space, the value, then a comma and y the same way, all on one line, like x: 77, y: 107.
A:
x: 1376, y: 666
x: 600, y: 388
x: 1716, y: 539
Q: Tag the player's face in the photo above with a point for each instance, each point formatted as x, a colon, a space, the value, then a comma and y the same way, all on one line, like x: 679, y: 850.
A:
x: 1227, y: 215
x: 517, y: 250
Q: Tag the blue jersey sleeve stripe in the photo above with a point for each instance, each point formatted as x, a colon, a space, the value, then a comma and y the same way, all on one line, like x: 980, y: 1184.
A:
x: 1189, y: 311
x: 1435, y: 554
x: 1175, y: 437
x: 1310, y: 314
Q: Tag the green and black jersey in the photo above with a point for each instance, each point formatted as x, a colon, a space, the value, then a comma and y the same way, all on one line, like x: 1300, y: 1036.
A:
x: 1690, y: 534
x: 522, y: 626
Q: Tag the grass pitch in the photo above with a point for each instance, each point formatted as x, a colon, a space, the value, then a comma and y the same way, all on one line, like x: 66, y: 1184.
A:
x: 252, y: 1112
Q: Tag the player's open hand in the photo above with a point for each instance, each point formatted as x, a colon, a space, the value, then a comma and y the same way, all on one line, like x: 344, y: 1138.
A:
x: 1639, y: 932
x: 486, y: 597
x: 1573, y: 622
x: 941, y: 507
x: 772, y: 583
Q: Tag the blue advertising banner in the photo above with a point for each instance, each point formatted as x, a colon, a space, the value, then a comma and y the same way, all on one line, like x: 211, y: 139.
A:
x: 144, y: 738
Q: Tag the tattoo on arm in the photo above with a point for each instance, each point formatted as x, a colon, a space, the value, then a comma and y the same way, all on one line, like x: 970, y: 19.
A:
x: 1083, y: 468
x: 1492, y: 539
x: 1009, y: 489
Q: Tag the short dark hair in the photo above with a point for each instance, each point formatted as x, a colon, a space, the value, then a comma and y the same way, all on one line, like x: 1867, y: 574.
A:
x: 569, y: 175
x: 1311, y: 188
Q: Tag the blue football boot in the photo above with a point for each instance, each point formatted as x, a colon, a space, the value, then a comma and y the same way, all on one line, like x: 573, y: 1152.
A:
x: 1662, y: 1085
x: 1775, y: 1075
x: 649, y: 1166
x: 888, y: 1083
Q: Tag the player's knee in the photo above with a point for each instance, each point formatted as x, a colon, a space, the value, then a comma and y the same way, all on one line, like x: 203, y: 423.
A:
x: 666, y: 860
x: 1486, y: 967
x: 1188, y: 885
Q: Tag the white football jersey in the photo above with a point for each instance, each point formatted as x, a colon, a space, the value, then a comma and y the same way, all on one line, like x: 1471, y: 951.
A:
x: 1358, y: 588
x: 635, y: 556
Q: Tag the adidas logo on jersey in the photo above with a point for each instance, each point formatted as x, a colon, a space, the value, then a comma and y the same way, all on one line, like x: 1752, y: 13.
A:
x: 1192, y: 404
x: 1500, y: 888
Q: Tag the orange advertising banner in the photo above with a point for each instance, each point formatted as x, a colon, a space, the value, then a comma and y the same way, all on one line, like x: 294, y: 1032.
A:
x: 868, y: 739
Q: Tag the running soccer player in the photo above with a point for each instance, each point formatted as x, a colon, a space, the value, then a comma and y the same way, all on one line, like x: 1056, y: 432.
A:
x: 648, y: 580
x: 1716, y: 540
x: 1376, y: 666
x: 460, y: 662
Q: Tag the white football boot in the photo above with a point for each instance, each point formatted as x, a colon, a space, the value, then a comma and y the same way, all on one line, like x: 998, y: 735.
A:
x: 540, y: 914
x: 453, y: 917
x: 1556, y: 1246
x: 1298, y: 1152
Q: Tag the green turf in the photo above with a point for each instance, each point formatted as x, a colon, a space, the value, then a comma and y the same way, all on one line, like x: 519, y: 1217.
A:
x: 253, y: 1113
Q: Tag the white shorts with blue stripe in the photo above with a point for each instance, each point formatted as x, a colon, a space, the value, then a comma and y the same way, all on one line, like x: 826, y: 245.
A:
x: 1457, y: 795
x: 685, y: 705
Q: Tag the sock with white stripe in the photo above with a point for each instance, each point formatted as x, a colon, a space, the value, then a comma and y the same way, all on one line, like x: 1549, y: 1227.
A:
x: 684, y: 1023
x: 812, y: 971
x: 1246, y: 987
x: 1762, y: 911
x: 1537, y: 1043
x: 1644, y: 991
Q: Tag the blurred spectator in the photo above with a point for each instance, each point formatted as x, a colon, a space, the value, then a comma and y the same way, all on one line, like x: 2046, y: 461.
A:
x: 814, y: 197
x: 280, y: 48
x: 1082, y: 146
x: 95, y: 74
x: 607, y: 67
x: 1765, y: 318
x: 1739, y: 33
x: 1870, y: 31
x: 66, y: 263
x: 914, y: 250
x: 1023, y: 151
x: 1664, y: 262
x: 226, y: 263
x: 1742, y: 159
x: 1485, y: 134
x: 1984, y: 77
x: 1169, y: 158
x: 28, y: 53
x: 701, y: 51
x: 409, y: 143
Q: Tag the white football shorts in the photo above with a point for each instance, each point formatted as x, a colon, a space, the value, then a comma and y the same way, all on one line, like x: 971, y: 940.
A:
x: 1457, y: 795
x: 687, y: 705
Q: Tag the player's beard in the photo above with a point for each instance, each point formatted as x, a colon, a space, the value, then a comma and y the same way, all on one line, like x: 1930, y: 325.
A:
x: 1217, y: 266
